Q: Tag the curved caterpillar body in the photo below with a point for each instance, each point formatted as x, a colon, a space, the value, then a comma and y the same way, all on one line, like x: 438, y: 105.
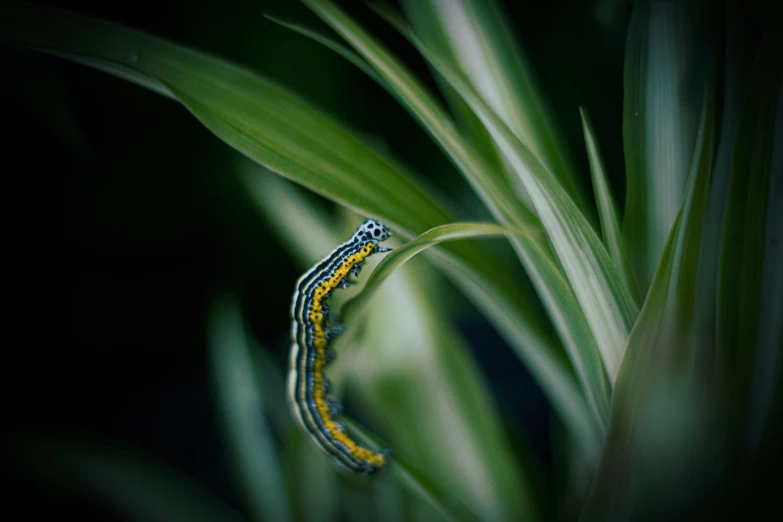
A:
x: 311, y: 332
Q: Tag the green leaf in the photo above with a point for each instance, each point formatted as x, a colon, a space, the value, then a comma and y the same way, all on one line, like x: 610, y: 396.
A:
x: 749, y: 300
x: 658, y: 448
x: 662, y: 81
x: 605, y: 301
x: 476, y: 38
x: 432, y: 237
x: 245, y: 428
x: 553, y: 288
x: 607, y: 211
x: 139, y: 487
x: 255, y: 116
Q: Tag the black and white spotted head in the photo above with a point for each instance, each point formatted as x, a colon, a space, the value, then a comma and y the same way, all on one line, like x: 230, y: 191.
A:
x: 373, y: 230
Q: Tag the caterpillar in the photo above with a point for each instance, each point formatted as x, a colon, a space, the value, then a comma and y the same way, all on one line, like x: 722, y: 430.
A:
x: 311, y: 333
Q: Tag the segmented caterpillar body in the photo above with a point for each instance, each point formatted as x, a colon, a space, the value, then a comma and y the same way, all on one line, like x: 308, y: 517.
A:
x: 311, y: 332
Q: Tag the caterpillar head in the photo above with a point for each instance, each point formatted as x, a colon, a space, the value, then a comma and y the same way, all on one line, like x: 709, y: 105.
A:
x: 374, y: 231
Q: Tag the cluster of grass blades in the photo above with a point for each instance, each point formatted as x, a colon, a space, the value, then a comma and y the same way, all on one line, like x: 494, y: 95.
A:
x: 665, y: 362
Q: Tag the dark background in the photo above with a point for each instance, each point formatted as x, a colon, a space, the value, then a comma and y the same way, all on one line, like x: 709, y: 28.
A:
x: 123, y: 223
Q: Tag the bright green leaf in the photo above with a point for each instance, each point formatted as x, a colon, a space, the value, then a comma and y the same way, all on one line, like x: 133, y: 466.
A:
x: 607, y: 211
x: 432, y: 237
x: 660, y: 118
x: 475, y: 36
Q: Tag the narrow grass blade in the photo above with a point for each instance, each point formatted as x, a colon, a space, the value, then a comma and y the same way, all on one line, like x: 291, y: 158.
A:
x: 138, y: 487
x: 474, y: 35
x: 658, y: 449
x: 432, y: 237
x: 428, y: 24
x: 606, y: 302
x: 660, y: 118
x: 607, y: 211
x: 749, y: 351
x: 246, y: 432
